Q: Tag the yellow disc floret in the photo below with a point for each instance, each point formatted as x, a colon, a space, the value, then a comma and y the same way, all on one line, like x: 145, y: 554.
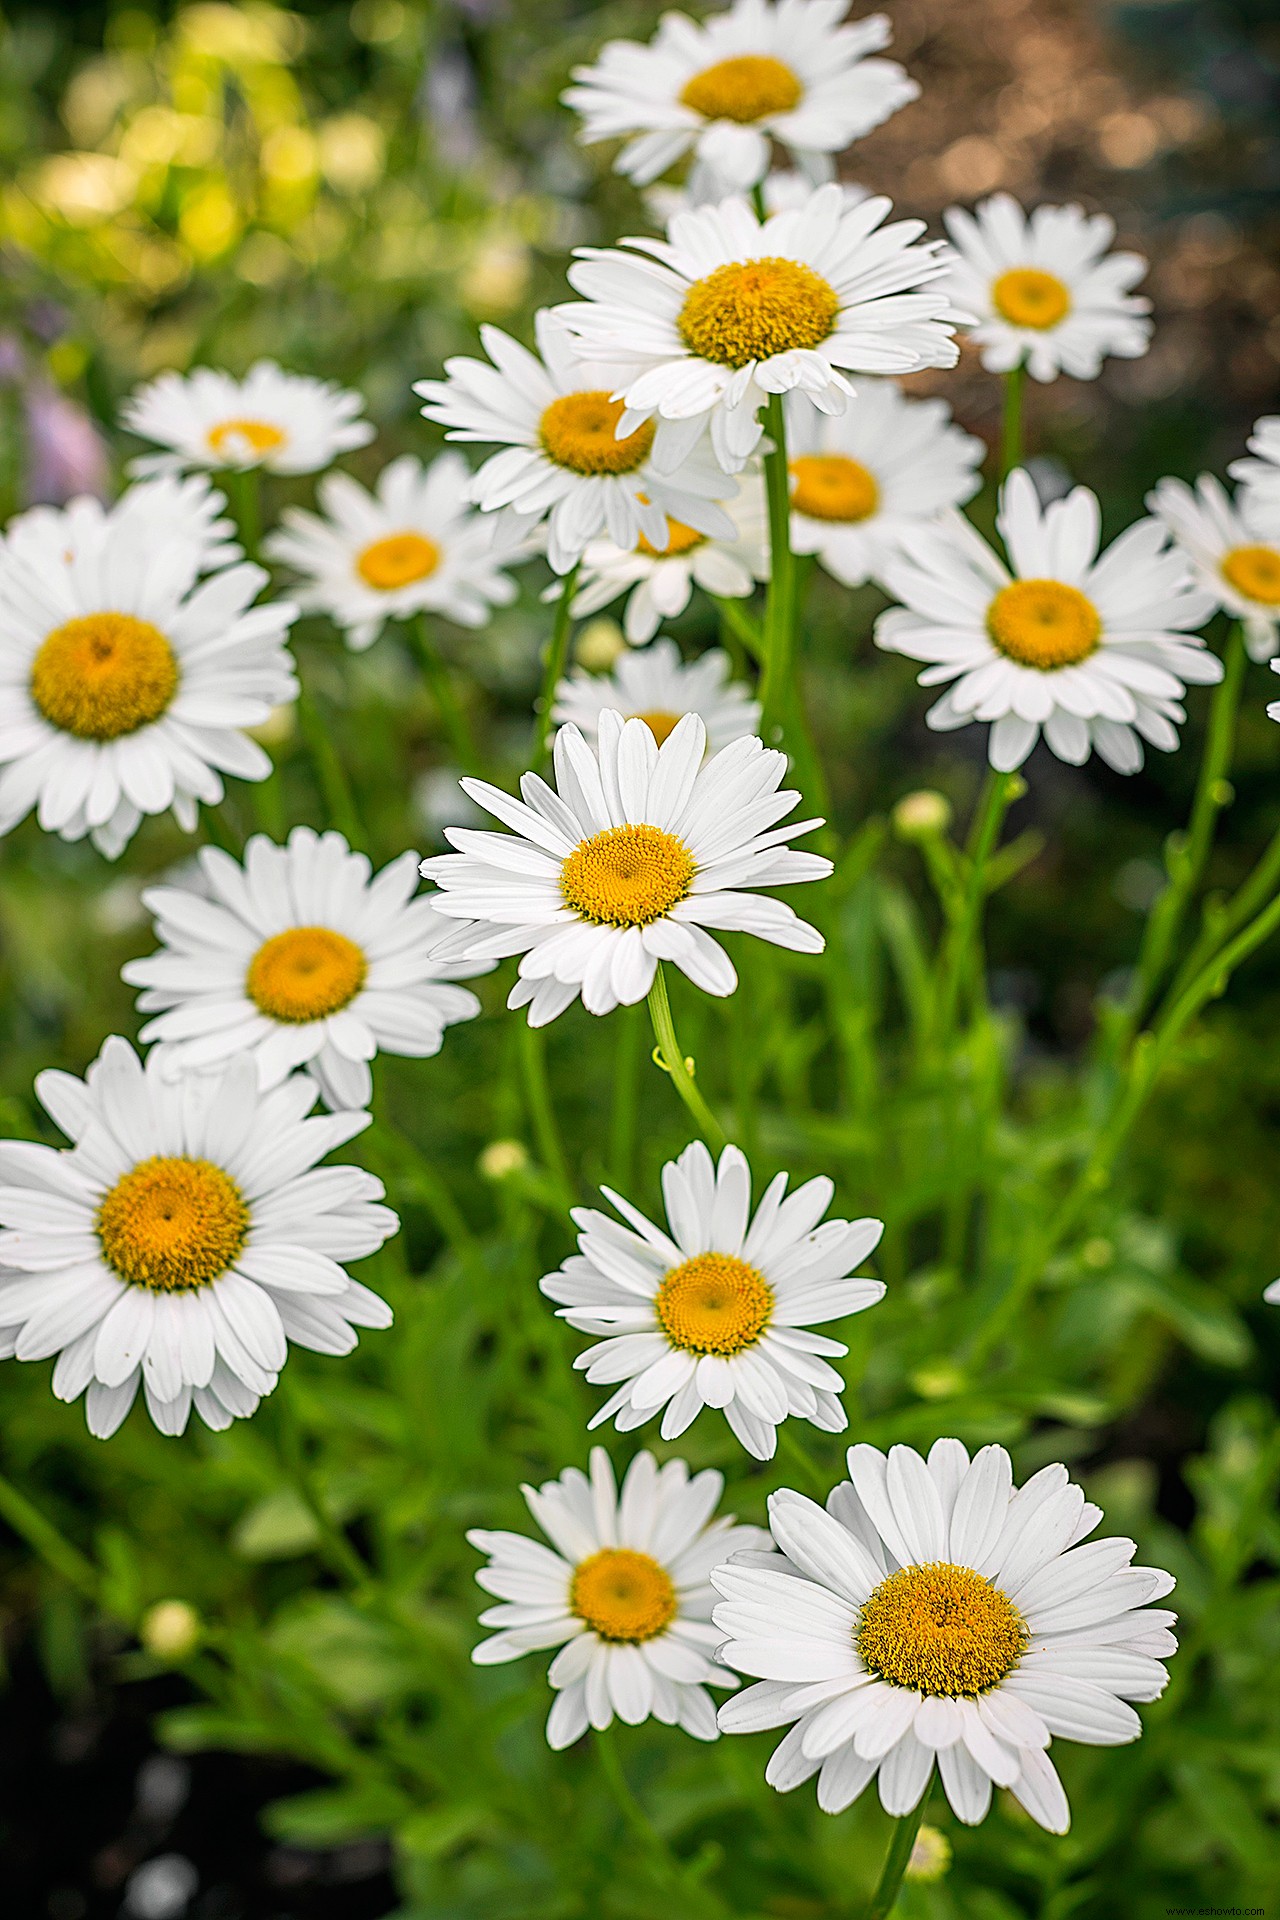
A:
x: 627, y: 876
x: 1255, y: 573
x: 745, y: 88
x: 680, y: 539
x: 1043, y: 623
x: 304, y: 974
x: 752, y: 309
x: 580, y: 431
x: 831, y: 486
x: 660, y: 723
x: 397, y: 560
x: 172, y: 1223
x: 1029, y: 297
x: 240, y: 442
x: 713, y: 1303
x: 941, y: 1629
x: 102, y: 675
x: 623, y: 1595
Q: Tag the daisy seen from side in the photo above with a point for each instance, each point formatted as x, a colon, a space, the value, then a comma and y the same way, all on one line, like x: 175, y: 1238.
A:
x: 1259, y: 472
x: 168, y: 511
x: 655, y: 685
x: 281, y: 422
x: 1236, y: 555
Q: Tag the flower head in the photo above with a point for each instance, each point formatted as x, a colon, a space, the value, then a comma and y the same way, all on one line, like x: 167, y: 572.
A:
x: 282, y: 422
x: 169, y: 512
x: 657, y: 687
x: 622, y: 1591
x: 183, y: 1239
x: 1234, y: 549
x: 1259, y: 477
x: 934, y: 1612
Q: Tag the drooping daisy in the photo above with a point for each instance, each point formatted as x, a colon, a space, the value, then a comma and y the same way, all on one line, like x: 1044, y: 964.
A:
x: 1260, y: 476
x: 303, y: 959
x: 706, y: 324
x: 282, y: 422
x: 412, y: 546
x: 715, y: 1310
x: 166, y: 512
x: 933, y: 1612
x: 1097, y: 652
x: 1235, y: 555
x: 657, y: 687
x: 622, y: 1591
x: 636, y: 854
x: 858, y: 477
x: 1045, y: 289
x: 564, y: 456
x: 730, y: 87
x: 125, y: 689
x: 182, y: 1240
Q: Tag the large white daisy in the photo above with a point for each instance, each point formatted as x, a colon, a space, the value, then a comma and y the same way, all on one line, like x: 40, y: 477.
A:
x: 183, y: 1240
x: 282, y: 422
x: 411, y: 546
x: 1260, y: 476
x: 656, y: 686
x: 715, y: 1309
x: 167, y: 511
x: 933, y: 1612
x: 728, y: 88
x: 125, y: 688
x: 1045, y: 289
x: 635, y: 855
x: 706, y: 324
x: 1095, y: 651
x: 302, y: 958
x: 1234, y: 550
x: 622, y: 1591
x: 859, y: 477
x: 565, y: 457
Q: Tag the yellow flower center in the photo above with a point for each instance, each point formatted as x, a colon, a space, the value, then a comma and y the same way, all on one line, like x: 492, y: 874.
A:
x: 104, y: 674
x: 243, y: 440
x: 744, y: 89
x: 680, y: 539
x: 397, y: 561
x: 623, y: 1595
x: 830, y: 486
x: 1255, y: 573
x: 1043, y: 623
x: 305, y: 973
x: 580, y: 431
x: 627, y: 876
x: 941, y: 1629
x: 752, y: 309
x: 172, y: 1223
x: 660, y: 723
x: 1028, y: 297
x: 713, y: 1303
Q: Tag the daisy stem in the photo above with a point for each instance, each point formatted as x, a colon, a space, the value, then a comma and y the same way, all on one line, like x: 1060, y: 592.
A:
x: 331, y: 775
x: 244, y: 497
x: 626, y: 1082
x: 546, y: 1130
x: 964, y: 932
x: 631, y: 1810
x: 799, y: 1453
x: 334, y: 1545
x: 779, y: 611
x: 557, y: 655
x: 450, y: 708
x: 673, y: 1059
x: 1011, y: 449
x: 47, y: 1541
x: 885, y: 1897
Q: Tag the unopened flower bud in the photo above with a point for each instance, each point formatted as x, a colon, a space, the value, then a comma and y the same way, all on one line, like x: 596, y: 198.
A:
x: 501, y: 1158
x: 276, y: 729
x: 930, y: 1856
x: 599, y: 644
x: 919, y: 816
x: 170, y: 1630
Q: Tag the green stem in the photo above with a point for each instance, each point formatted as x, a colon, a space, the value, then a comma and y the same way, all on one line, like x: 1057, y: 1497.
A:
x: 557, y: 656
x: 738, y: 621
x: 331, y: 775
x: 819, y: 1485
x: 1011, y: 449
x: 885, y: 1897
x: 451, y: 710
x: 626, y: 1088
x: 47, y: 1541
x: 546, y: 1131
x: 244, y: 497
x: 334, y: 1545
x: 1223, y: 920
x: 673, y: 1059
x: 964, y: 933
x: 779, y: 612
x: 633, y: 1814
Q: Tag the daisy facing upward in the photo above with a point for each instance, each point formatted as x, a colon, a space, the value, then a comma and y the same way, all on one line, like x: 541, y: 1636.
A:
x: 281, y: 422
x: 656, y: 686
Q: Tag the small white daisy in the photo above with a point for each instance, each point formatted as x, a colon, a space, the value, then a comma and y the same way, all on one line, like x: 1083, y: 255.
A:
x: 302, y: 958
x: 126, y: 689
x: 728, y: 310
x: 636, y: 854
x: 182, y: 1240
x: 168, y: 511
x: 564, y: 457
x: 412, y: 546
x: 1095, y: 651
x: 728, y: 88
x: 1235, y: 556
x: 1271, y: 1294
x: 1260, y: 476
x: 933, y: 1612
x: 1045, y: 289
x: 715, y: 1310
x: 859, y: 477
x: 622, y: 1591
x: 656, y: 686
x: 281, y: 422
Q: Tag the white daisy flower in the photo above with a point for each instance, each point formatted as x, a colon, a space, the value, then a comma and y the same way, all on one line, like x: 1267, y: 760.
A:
x: 281, y: 422
x: 935, y: 1612
x: 1271, y: 1293
x: 302, y: 958
x: 728, y: 88
x: 126, y: 689
x: 1260, y: 476
x: 1235, y: 555
x: 622, y: 1591
x: 656, y: 686
x: 412, y: 546
x: 168, y: 511
x: 728, y: 310
x: 1045, y: 289
x: 714, y: 1311
x: 859, y: 477
x: 564, y: 456
x: 636, y: 854
x: 182, y: 1240
x: 784, y: 188
x: 1095, y: 651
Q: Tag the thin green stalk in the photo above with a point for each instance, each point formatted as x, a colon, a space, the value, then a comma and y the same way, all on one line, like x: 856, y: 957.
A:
x: 779, y: 612
x: 542, y: 1115
x: 671, y: 1056
x: 885, y: 1897
x: 1226, y: 918
x: 958, y: 949
x: 626, y: 1090
x: 452, y: 712
x: 819, y: 1483
x: 738, y: 621
x: 553, y: 669
x: 633, y: 1814
x: 331, y: 775
x: 47, y: 1540
x: 1011, y: 447
x: 267, y: 800
x: 334, y: 1545
x: 244, y: 497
